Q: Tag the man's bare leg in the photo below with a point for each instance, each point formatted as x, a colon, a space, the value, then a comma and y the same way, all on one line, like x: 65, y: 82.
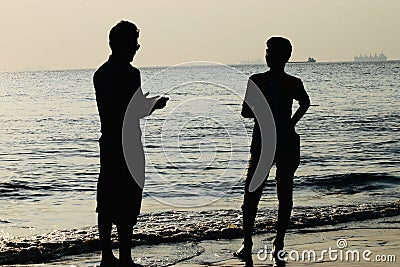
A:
x: 249, y: 208
x: 105, y: 227
x: 284, y: 188
x: 125, y: 232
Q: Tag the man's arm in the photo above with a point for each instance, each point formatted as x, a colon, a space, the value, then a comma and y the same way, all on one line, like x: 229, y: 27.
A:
x: 303, y: 107
x: 102, y: 96
x: 160, y: 104
x: 304, y: 103
x: 247, y: 111
x: 144, y: 105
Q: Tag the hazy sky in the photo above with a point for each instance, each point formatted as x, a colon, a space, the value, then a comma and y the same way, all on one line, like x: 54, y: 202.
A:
x: 59, y: 34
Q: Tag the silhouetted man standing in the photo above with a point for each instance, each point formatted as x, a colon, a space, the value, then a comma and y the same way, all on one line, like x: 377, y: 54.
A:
x: 279, y: 89
x: 119, y: 195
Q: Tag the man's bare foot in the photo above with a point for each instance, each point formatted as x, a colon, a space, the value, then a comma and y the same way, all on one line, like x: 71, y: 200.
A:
x: 244, y: 252
x: 278, y: 253
x: 111, y: 261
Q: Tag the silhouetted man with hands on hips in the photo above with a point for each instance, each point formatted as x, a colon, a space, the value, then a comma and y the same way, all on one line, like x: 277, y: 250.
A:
x: 119, y: 195
x: 279, y: 89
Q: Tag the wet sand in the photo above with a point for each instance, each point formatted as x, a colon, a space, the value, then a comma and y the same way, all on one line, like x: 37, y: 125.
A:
x: 381, y: 237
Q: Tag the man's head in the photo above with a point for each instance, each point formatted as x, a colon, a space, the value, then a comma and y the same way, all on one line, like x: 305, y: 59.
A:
x: 123, y: 40
x: 278, y: 52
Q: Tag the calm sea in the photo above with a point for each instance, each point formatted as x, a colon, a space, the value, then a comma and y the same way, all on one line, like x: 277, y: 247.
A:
x: 197, y: 150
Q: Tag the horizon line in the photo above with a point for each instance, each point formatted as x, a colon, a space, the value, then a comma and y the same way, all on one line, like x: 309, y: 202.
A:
x: 194, y: 65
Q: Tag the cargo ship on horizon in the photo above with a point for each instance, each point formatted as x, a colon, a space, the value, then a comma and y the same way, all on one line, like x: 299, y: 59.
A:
x: 365, y: 58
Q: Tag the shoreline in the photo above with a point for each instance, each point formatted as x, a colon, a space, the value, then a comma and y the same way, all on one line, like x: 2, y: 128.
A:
x: 176, y: 236
x: 380, y: 236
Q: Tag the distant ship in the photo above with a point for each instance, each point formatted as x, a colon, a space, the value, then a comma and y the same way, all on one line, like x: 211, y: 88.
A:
x: 259, y: 61
x: 309, y: 60
x: 376, y: 57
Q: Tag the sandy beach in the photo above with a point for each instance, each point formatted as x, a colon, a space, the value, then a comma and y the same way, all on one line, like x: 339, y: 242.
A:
x: 367, y: 243
x: 381, y: 237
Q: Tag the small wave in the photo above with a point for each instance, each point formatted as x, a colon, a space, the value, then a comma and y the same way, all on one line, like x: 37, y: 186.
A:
x: 349, y: 183
x: 183, y: 226
x: 18, y: 190
x: 26, y: 190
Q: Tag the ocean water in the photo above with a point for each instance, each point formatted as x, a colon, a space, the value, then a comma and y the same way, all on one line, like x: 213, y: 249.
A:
x: 197, y: 150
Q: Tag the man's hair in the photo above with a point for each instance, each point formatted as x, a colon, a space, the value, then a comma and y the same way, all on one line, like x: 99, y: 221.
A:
x: 280, y: 47
x: 121, y: 33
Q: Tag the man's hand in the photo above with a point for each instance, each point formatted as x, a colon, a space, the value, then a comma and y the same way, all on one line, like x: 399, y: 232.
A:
x: 303, y: 107
x: 157, y: 101
x: 161, y: 102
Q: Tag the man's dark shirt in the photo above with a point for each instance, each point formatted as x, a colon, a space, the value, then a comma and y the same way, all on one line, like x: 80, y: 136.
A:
x: 279, y: 91
x: 115, y: 83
